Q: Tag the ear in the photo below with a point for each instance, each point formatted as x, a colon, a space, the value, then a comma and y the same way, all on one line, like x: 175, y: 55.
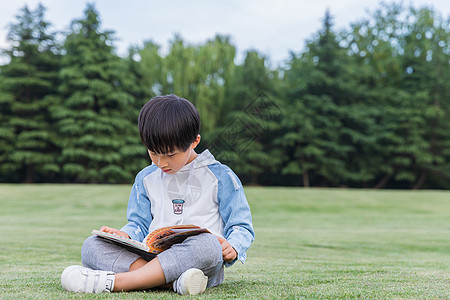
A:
x: 196, y: 142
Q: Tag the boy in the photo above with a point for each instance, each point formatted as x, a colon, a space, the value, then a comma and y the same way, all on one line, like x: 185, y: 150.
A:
x: 180, y: 187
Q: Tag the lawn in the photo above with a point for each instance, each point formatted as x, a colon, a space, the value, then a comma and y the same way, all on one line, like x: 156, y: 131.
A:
x: 310, y: 243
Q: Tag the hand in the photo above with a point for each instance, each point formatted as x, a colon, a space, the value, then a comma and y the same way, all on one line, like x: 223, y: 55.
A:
x: 228, y: 252
x: 114, y: 231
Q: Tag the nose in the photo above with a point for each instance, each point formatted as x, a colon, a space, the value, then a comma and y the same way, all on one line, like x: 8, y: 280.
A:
x: 161, y: 162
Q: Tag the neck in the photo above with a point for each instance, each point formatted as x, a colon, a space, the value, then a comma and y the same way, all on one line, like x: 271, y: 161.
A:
x: 193, y: 155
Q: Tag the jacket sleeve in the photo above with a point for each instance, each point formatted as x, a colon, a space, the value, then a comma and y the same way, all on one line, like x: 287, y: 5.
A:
x: 235, y: 213
x: 139, y: 211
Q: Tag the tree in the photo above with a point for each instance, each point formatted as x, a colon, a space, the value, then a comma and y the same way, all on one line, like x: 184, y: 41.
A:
x: 135, y: 83
x: 323, y: 127
x: 200, y: 73
x: 426, y: 65
x: 29, y: 83
x: 148, y: 65
x: 403, y: 55
x: 7, y: 137
x: 94, y: 119
x: 215, y: 68
x: 254, y: 111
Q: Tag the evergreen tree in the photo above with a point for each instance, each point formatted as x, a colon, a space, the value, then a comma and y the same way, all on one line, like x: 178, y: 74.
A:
x: 135, y: 84
x: 324, y: 121
x: 29, y: 83
x: 406, y: 74
x: 426, y: 75
x: 8, y: 169
x: 379, y: 70
x: 94, y: 120
x: 254, y: 112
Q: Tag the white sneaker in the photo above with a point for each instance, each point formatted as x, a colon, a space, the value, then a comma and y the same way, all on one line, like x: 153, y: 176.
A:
x: 191, y: 282
x: 84, y: 280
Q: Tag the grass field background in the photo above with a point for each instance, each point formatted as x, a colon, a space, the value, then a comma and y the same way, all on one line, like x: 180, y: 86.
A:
x: 310, y: 243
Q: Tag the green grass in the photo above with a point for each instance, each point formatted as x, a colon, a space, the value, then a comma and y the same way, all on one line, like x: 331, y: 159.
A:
x: 310, y: 243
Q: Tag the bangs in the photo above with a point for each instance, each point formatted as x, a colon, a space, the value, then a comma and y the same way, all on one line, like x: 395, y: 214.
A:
x: 168, y: 124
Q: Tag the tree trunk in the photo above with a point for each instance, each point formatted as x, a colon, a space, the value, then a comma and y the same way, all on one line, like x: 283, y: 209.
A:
x: 305, y: 179
x: 254, y: 179
x: 30, y: 174
x: 382, y: 183
x: 421, y: 181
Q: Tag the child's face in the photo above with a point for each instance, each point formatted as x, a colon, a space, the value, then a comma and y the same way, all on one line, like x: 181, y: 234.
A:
x: 172, y: 162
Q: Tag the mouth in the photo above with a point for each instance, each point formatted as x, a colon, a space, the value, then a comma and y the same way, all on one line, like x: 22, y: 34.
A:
x: 166, y: 170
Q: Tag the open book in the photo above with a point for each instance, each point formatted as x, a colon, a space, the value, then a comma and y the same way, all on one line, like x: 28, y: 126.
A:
x: 158, y: 240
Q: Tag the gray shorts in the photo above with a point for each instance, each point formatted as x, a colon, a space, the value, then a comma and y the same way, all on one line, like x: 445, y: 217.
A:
x: 202, y: 251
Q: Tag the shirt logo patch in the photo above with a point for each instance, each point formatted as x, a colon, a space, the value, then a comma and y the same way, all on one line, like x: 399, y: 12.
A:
x: 178, y: 206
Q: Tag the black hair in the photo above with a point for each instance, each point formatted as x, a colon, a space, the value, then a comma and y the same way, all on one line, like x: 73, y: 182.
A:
x: 168, y: 123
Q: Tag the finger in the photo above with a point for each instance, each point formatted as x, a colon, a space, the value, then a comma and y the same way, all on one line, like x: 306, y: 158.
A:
x: 229, y: 254
x: 107, y: 229
x: 221, y: 240
x: 226, y: 253
x: 228, y: 258
x: 224, y: 247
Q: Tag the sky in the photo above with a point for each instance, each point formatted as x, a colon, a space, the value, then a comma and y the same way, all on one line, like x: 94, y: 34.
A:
x: 273, y: 27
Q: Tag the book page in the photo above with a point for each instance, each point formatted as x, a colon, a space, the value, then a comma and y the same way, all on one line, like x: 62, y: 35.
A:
x: 121, y: 239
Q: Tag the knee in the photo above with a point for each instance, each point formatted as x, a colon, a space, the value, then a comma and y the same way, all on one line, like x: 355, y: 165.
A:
x: 211, y: 249
x: 211, y: 263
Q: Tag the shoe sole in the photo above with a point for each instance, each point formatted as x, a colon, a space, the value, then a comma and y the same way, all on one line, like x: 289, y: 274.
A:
x: 195, y: 282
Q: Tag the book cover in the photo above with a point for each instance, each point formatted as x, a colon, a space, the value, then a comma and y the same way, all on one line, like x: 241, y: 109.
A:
x: 156, y: 241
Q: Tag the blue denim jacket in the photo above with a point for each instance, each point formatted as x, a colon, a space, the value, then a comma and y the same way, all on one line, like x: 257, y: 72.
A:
x: 232, y: 203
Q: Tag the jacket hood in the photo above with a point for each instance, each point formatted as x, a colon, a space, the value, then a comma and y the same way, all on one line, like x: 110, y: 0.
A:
x: 202, y: 160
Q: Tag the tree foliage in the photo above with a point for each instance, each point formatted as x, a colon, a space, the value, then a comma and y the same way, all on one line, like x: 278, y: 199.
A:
x: 405, y: 57
x: 94, y: 120
x: 28, y: 91
x: 364, y: 107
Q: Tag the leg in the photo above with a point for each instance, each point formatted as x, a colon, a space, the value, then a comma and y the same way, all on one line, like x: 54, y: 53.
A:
x: 148, y: 276
x: 140, y: 262
x: 100, y: 254
x: 202, y: 252
x: 102, y: 259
